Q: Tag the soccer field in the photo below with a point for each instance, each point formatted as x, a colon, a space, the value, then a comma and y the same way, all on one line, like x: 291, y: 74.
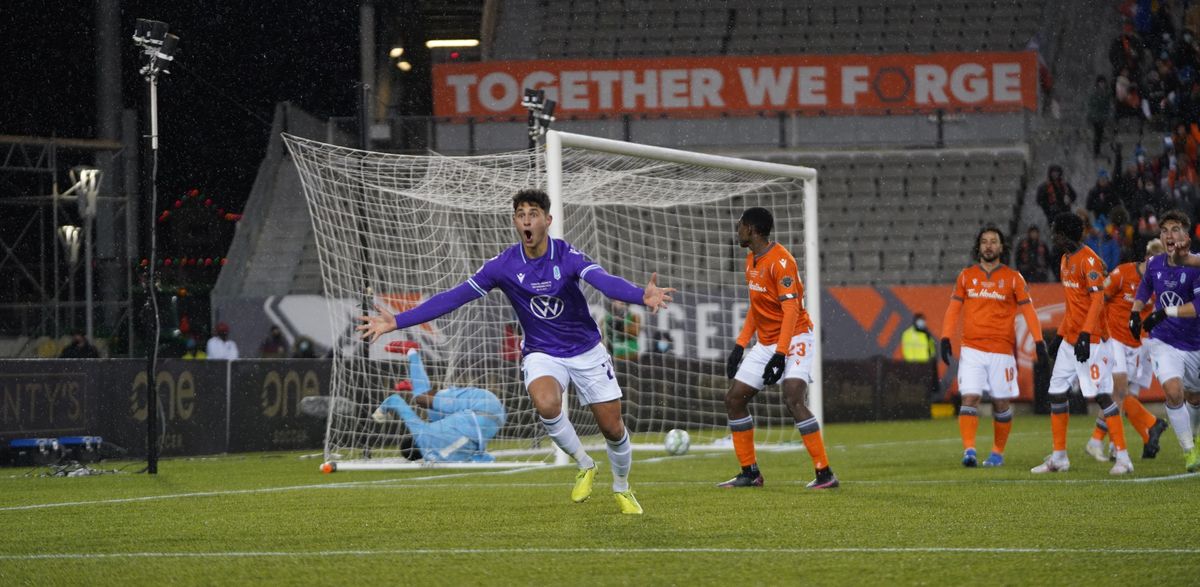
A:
x: 906, y: 513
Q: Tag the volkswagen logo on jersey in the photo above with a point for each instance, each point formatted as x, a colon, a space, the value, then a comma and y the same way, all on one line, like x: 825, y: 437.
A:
x: 546, y: 307
x: 1170, y: 299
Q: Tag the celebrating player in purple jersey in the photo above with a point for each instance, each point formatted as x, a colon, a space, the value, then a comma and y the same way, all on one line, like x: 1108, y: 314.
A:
x: 1174, y: 279
x: 540, y: 276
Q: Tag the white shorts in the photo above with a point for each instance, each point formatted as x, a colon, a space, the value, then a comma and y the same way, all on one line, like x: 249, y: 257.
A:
x: 591, y: 372
x: 798, y: 365
x: 1170, y: 363
x: 1133, y: 363
x: 995, y: 373
x: 1095, y: 375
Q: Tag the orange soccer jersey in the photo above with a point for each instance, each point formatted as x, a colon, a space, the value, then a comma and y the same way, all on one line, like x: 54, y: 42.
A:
x: 1082, y: 275
x: 1119, y: 291
x: 990, y: 301
x: 776, y: 299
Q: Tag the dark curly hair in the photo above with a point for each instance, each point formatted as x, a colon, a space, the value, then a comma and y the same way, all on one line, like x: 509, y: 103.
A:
x: 1069, y: 225
x: 538, y: 198
x: 1003, y: 242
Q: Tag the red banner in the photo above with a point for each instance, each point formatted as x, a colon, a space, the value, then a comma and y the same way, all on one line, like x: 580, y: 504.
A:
x: 830, y: 84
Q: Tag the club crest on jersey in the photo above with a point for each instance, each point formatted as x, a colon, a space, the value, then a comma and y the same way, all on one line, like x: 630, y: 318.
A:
x: 546, y: 307
x: 521, y: 277
x: 1093, y: 276
x: 557, y: 275
x: 786, y: 281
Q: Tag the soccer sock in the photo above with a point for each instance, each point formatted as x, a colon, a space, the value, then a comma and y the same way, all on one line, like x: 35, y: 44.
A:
x: 1181, y: 423
x: 968, y: 425
x: 1100, y: 430
x: 1194, y: 411
x: 810, y: 432
x: 563, y: 433
x: 743, y: 440
x: 620, y: 457
x: 1139, y: 416
x: 1001, y: 426
x: 1059, y: 418
x: 1116, y: 429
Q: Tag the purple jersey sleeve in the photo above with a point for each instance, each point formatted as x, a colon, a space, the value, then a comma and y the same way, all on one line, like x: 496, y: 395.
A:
x: 612, y: 286
x: 439, y: 305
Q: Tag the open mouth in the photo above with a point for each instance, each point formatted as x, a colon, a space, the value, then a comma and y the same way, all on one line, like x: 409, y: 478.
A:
x: 528, y: 235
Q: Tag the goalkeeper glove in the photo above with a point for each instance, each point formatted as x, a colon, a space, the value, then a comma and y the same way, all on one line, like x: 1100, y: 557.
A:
x: 1042, y: 355
x: 1135, y: 325
x: 774, y: 371
x: 1083, y: 347
x: 1153, y: 319
x: 735, y: 359
x: 947, y: 350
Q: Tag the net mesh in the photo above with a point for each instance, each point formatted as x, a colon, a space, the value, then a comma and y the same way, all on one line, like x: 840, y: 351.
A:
x: 396, y: 229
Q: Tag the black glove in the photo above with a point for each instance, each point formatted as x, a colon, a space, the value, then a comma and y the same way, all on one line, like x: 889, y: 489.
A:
x: 1054, y: 344
x: 735, y: 359
x: 1153, y: 319
x: 774, y: 371
x: 1135, y: 324
x: 1042, y: 356
x: 1083, y: 347
x: 947, y: 351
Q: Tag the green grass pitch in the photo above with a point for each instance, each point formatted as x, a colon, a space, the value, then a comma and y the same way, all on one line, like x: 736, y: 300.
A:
x: 907, y: 513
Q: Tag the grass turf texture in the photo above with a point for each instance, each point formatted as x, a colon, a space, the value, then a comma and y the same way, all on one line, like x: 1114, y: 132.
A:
x: 907, y: 512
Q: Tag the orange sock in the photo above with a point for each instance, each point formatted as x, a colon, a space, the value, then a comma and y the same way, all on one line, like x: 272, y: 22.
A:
x: 1001, y: 426
x: 816, y: 449
x: 1139, y: 416
x: 1116, y: 429
x: 968, y: 425
x: 743, y: 445
x: 1098, y: 433
x: 1058, y: 428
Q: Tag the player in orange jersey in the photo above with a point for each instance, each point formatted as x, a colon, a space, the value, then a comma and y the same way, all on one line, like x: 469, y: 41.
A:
x: 784, y: 350
x: 1132, y: 371
x: 1083, y: 354
x: 990, y: 293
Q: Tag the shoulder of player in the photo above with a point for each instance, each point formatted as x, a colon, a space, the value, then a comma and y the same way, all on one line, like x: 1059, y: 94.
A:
x: 779, y: 253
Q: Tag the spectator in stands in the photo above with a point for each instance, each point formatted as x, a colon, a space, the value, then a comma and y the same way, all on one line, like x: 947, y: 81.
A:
x: 1099, y: 112
x: 663, y: 343
x: 1123, y: 232
x: 192, y: 351
x: 1147, y: 227
x: 220, y: 347
x: 1033, y: 257
x: 1056, y: 195
x: 1100, y: 239
x: 1102, y: 197
x: 917, y: 346
x: 80, y: 348
x: 275, y: 346
x: 621, y: 329
x: 305, y: 349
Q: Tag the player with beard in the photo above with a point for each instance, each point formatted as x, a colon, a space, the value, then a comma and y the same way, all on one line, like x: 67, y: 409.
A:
x: 541, y: 277
x: 990, y: 294
x: 1174, y: 280
x: 1083, y: 354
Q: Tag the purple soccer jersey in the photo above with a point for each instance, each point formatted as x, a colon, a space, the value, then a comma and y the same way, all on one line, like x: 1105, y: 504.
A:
x: 545, y: 294
x: 1172, y: 286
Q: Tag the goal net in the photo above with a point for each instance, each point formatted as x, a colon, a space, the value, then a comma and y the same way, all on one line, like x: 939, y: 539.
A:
x: 395, y: 229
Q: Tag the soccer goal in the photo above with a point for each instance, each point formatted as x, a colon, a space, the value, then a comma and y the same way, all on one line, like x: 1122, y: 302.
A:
x: 396, y: 229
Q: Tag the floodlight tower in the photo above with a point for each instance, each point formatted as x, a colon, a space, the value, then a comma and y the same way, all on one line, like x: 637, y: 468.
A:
x: 158, y: 48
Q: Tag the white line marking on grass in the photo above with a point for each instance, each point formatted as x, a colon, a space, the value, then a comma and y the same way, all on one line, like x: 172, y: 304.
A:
x: 614, y: 551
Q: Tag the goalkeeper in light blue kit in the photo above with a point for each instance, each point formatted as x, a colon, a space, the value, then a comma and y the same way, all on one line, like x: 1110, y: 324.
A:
x: 541, y: 278
x: 461, y: 419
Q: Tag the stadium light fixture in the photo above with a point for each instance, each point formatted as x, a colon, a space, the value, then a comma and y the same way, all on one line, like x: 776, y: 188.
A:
x: 396, y: 52
x: 451, y: 43
x: 541, y: 114
x: 68, y: 235
x: 404, y: 66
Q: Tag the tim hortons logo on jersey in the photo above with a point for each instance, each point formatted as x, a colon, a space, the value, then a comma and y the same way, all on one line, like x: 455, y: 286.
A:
x: 546, y: 307
x: 1069, y: 283
x: 985, y: 293
x: 758, y: 288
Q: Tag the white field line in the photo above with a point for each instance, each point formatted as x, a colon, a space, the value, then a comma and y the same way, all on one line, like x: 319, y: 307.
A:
x: 408, y: 482
x: 614, y: 551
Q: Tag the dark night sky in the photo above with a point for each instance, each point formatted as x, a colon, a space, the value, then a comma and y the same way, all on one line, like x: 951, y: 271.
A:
x: 237, y: 59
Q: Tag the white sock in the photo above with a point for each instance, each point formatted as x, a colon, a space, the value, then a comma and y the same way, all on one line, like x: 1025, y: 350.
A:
x: 1181, y: 423
x: 1060, y: 455
x: 620, y: 456
x: 563, y: 433
x: 1194, y: 411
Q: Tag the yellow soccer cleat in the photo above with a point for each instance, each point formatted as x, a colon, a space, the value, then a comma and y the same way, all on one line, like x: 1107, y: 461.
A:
x: 583, y: 484
x: 629, y: 504
x: 1193, y: 459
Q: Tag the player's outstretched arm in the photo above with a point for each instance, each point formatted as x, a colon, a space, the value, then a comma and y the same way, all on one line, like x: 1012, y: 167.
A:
x: 616, y: 288
x: 656, y: 298
x: 378, y: 325
x: 435, y: 307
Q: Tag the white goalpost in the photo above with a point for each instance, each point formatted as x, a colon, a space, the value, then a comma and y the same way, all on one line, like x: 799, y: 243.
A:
x: 406, y: 227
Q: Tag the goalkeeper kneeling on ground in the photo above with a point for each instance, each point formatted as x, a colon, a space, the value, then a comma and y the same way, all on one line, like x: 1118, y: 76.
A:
x: 461, y: 419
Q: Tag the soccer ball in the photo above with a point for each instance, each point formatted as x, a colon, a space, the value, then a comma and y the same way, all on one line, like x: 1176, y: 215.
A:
x: 677, y: 442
